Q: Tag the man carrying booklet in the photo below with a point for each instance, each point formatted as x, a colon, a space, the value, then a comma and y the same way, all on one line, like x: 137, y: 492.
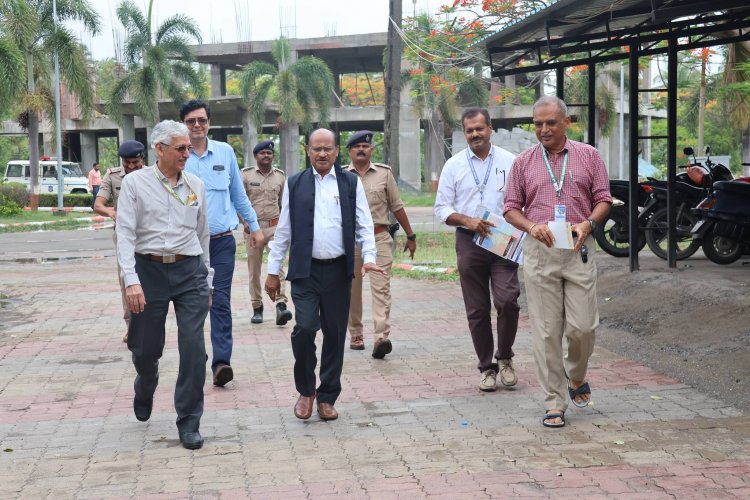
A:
x: 472, y: 183
x: 559, y: 183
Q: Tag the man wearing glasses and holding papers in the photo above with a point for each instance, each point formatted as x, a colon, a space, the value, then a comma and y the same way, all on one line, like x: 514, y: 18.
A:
x: 472, y: 184
x: 559, y: 190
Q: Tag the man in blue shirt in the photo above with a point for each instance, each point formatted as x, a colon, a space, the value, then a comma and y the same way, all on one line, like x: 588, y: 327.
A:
x: 215, y: 163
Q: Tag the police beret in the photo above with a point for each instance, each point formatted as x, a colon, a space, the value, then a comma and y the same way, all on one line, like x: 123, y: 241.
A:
x: 130, y: 149
x: 361, y: 136
x: 263, y: 145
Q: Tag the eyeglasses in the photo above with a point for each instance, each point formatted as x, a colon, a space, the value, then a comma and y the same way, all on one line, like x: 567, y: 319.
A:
x: 192, y: 121
x: 179, y: 149
x: 323, y: 149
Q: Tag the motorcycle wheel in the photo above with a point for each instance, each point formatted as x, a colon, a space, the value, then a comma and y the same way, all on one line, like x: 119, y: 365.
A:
x: 613, y: 236
x: 656, y: 234
x: 721, y: 250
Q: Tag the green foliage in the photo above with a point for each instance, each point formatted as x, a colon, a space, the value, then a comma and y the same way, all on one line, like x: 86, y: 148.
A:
x: 13, y: 197
x: 12, y: 148
x: 69, y: 200
x: 108, y: 153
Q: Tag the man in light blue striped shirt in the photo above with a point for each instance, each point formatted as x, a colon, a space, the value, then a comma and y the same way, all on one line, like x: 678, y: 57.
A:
x: 215, y: 163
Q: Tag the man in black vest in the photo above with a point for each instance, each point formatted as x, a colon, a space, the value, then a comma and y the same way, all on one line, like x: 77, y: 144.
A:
x: 324, y: 212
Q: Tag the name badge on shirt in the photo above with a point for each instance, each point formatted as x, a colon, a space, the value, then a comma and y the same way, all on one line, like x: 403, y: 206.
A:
x: 255, y: 183
x: 218, y: 167
x: 560, y: 213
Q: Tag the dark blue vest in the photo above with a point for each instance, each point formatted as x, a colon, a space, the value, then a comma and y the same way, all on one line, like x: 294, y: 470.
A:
x: 302, y: 213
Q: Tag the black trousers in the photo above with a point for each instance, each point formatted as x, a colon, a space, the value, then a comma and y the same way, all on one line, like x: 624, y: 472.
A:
x: 321, y: 302
x: 184, y: 284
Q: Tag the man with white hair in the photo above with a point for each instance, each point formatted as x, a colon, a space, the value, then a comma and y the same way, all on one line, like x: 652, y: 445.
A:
x: 163, y: 239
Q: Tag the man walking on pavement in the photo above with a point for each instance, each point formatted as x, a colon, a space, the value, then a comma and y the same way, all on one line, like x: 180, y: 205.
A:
x: 264, y: 186
x: 162, y: 247
x: 95, y: 181
x: 383, y: 197
x: 472, y: 182
x: 565, y: 181
x: 131, y: 155
x: 323, y: 214
x: 215, y: 163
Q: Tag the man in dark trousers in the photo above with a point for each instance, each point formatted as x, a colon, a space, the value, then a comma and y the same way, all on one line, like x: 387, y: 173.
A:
x: 324, y: 212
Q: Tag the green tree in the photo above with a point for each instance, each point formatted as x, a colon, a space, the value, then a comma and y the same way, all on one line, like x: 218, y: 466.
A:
x: 156, y: 65
x: 28, y: 30
x: 302, y: 89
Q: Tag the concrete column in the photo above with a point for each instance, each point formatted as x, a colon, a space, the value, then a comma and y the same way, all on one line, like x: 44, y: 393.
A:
x: 88, y: 149
x: 409, y: 152
x: 48, y: 144
x: 250, y: 136
x: 127, y: 131
x: 218, y: 81
x: 151, y: 154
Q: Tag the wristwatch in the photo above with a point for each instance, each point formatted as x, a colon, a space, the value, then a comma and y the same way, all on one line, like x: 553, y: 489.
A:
x: 413, y: 237
x: 593, y: 223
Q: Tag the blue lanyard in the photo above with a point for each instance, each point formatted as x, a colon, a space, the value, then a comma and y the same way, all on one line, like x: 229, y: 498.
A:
x: 480, y: 187
x: 557, y: 185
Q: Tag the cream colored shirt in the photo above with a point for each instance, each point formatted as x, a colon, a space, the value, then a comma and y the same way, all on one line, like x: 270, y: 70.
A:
x: 381, y: 190
x: 264, y: 191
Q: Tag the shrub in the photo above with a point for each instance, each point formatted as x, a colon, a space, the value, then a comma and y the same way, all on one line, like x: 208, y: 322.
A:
x: 9, y: 207
x: 69, y: 200
x: 13, y: 194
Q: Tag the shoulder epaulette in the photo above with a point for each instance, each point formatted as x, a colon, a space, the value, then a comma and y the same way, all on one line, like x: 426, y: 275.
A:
x: 280, y: 171
x: 247, y: 169
x: 382, y: 165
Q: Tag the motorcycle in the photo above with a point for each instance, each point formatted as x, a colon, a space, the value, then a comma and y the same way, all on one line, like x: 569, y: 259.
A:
x: 724, y: 231
x: 688, y: 193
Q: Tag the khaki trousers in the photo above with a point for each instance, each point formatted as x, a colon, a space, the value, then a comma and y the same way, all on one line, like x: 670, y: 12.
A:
x: 561, y: 295
x: 380, y: 289
x: 125, y: 308
x: 254, y: 261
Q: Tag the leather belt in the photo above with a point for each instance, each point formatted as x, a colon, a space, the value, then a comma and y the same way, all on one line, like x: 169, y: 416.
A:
x: 221, y: 235
x: 164, y: 259
x: 381, y: 229
x: 268, y: 223
x: 328, y: 262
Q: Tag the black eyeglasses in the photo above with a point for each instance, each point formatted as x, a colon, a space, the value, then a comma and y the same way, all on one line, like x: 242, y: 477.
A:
x: 192, y: 121
x: 179, y: 149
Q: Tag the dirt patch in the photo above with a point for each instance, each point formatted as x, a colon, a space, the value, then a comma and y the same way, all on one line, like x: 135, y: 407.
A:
x: 691, y: 323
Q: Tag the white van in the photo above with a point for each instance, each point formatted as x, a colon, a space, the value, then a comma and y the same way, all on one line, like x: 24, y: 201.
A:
x: 74, y: 180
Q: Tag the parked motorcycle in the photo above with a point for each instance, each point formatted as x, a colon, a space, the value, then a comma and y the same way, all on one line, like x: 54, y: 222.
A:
x: 724, y: 231
x: 613, y: 236
x: 689, y: 193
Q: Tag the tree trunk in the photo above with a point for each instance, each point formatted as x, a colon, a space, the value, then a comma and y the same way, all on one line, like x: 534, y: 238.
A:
x: 290, y: 148
x: 34, y: 158
x: 392, y: 90
x: 746, y: 150
x: 434, y: 151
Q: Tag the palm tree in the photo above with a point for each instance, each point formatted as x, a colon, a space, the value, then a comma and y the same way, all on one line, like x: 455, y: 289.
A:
x: 156, y: 65
x: 29, y: 38
x: 300, y: 88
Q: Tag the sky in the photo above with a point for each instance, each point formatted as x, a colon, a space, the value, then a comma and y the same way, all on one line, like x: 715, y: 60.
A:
x: 250, y: 20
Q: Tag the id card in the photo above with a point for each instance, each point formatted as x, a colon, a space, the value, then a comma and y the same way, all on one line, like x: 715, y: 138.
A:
x: 560, y: 213
x: 479, y: 212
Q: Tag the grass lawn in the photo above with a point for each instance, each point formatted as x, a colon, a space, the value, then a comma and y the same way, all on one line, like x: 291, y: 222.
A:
x: 70, y: 220
x: 418, y: 200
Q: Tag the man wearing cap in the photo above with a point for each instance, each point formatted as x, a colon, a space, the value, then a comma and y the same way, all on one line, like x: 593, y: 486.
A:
x: 264, y: 186
x: 131, y: 159
x: 383, y: 197
x: 215, y: 163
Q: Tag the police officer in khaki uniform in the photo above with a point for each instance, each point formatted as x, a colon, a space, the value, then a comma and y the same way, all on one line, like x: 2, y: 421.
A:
x: 383, y: 197
x: 264, y: 186
x: 131, y: 155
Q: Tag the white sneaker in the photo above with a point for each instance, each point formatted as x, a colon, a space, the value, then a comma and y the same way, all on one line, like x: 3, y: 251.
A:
x: 507, y: 373
x: 489, y: 381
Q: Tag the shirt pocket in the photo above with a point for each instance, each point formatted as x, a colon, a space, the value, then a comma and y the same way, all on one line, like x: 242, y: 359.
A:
x: 218, y: 182
x: 272, y: 194
x: 190, y: 216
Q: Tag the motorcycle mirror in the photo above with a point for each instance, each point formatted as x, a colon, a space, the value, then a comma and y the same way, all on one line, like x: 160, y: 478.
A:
x: 708, y: 150
x: 688, y: 151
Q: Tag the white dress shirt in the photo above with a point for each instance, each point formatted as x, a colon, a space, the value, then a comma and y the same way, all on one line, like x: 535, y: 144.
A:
x: 458, y: 191
x: 328, y: 239
x: 151, y: 221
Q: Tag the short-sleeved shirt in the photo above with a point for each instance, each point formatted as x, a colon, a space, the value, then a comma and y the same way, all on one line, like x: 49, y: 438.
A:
x: 95, y: 177
x: 265, y: 191
x: 381, y: 190
x: 111, y: 184
x: 585, y: 185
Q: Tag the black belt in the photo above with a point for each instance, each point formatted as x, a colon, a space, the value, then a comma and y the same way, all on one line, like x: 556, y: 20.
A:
x: 164, y: 259
x: 328, y: 262
x: 221, y: 235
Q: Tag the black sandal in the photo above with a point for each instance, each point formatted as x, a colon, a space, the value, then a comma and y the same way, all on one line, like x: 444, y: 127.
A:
x: 550, y: 416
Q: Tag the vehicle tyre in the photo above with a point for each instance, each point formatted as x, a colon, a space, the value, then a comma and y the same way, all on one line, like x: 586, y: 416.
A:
x: 721, y: 250
x: 656, y: 234
x: 613, y: 236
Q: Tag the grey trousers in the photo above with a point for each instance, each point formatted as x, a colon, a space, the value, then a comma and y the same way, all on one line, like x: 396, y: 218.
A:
x: 184, y: 284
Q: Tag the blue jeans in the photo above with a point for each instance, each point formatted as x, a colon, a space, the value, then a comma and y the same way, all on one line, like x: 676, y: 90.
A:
x: 221, y: 251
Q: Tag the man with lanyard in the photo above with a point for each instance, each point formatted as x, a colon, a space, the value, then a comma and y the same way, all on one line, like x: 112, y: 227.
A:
x: 565, y: 181
x: 131, y: 155
x: 473, y: 182
x: 215, y: 163
x: 162, y: 247
x: 264, y: 185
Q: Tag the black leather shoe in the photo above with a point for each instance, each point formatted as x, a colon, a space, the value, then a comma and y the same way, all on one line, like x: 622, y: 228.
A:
x: 282, y: 314
x: 191, y: 440
x: 257, y: 315
x: 222, y: 375
x: 381, y: 348
x: 142, y: 409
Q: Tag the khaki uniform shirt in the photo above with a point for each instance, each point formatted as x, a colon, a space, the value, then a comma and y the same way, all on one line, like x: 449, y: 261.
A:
x: 110, y: 187
x: 381, y: 190
x: 264, y: 191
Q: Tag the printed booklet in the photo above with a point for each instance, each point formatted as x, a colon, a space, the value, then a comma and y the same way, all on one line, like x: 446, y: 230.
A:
x: 504, y: 239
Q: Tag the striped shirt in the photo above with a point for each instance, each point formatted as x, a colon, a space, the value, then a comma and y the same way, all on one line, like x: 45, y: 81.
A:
x: 585, y: 185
